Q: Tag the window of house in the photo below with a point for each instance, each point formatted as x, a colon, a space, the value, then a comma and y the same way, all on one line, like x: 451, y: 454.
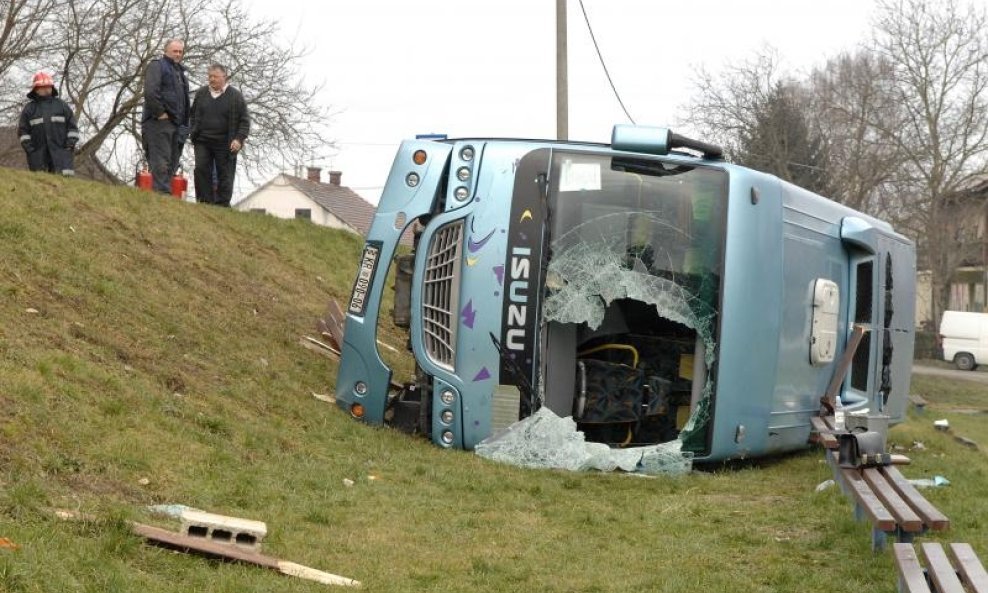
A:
x: 304, y: 213
x: 259, y: 210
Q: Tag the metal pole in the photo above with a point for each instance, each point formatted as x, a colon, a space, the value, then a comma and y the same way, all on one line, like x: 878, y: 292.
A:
x: 984, y: 260
x: 562, y: 82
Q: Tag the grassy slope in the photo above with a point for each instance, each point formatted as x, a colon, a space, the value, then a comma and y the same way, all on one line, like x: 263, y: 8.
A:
x: 165, y: 348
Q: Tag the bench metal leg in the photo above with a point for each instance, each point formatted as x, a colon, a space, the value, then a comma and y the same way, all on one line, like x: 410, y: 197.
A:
x: 878, y: 539
x: 905, y: 537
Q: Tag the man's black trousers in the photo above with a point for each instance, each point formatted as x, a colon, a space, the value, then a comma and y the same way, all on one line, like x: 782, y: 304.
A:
x: 215, y: 168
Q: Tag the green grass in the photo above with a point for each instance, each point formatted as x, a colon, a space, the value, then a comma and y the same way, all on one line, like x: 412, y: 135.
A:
x: 162, y: 365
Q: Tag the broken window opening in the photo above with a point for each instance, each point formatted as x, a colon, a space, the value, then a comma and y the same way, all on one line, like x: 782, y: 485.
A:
x: 632, y: 288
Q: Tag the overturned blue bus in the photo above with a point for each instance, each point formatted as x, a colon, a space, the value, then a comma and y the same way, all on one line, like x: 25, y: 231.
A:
x: 647, y: 288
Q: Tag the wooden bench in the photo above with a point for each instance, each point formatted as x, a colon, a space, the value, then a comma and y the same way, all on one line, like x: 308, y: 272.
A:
x: 965, y: 575
x: 882, y: 495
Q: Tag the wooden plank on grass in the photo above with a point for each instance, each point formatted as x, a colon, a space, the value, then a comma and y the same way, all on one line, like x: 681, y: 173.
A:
x: 174, y: 540
x: 969, y: 567
x: 171, y: 539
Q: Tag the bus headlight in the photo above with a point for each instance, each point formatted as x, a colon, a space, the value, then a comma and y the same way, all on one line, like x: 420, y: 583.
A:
x: 360, y: 388
x: 461, y: 193
x: 412, y: 179
x: 447, y: 437
x: 446, y: 417
x: 466, y: 153
x: 447, y: 396
x: 463, y: 173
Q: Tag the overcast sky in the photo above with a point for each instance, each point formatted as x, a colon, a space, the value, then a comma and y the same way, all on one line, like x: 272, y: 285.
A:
x: 395, y: 68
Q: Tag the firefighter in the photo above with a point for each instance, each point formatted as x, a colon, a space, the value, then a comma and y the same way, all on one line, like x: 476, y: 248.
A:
x: 47, y: 128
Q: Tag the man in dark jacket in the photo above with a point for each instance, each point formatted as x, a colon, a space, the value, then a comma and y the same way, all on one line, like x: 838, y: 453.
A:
x: 220, y: 125
x: 47, y: 129
x: 165, y: 121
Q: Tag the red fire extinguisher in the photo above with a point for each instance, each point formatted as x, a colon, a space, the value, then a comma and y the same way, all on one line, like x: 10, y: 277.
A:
x: 179, y: 185
x: 144, y: 180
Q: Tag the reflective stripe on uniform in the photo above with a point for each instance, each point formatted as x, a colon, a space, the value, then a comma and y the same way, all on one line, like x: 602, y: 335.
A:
x: 58, y: 119
x: 25, y: 137
x: 73, y: 134
x: 36, y: 121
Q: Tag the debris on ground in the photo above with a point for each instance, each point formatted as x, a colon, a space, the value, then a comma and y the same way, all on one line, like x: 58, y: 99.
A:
x: 177, y: 541
x: 329, y: 399
x: 546, y: 441
x: 7, y: 544
x: 934, y: 482
x: 966, y: 442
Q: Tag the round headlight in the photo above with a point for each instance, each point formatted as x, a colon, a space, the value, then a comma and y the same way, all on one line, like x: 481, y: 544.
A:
x: 466, y: 153
x: 412, y: 179
x: 461, y: 193
x: 463, y: 173
x: 448, y: 437
x: 447, y: 396
x: 446, y: 417
x: 360, y: 388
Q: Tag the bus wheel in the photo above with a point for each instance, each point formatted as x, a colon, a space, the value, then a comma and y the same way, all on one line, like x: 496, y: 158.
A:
x: 964, y: 361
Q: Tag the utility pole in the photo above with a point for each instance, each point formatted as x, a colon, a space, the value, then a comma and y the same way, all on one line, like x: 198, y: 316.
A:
x: 562, y: 82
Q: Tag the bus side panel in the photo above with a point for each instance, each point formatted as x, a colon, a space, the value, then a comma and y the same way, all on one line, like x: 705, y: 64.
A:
x: 812, y: 250
x: 750, y: 317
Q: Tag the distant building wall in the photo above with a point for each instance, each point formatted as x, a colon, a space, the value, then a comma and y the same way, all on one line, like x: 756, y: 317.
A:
x: 281, y: 199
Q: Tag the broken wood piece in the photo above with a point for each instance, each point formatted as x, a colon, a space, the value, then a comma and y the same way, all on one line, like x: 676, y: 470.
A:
x: 333, y: 323
x: 319, y: 347
x: 174, y: 540
x: 329, y: 399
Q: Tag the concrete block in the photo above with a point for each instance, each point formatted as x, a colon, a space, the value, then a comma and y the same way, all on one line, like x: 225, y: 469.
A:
x: 245, y: 533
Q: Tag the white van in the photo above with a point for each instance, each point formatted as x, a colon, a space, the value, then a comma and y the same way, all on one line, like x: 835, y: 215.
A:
x: 964, y: 337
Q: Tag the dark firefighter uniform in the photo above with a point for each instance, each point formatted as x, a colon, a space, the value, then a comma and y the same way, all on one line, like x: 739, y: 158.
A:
x: 47, y: 129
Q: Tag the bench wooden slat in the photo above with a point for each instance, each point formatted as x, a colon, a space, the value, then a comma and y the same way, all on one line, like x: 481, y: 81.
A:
x: 907, y: 519
x: 823, y: 434
x: 941, y: 572
x: 880, y: 517
x: 971, y: 571
x: 910, y: 571
x: 930, y: 515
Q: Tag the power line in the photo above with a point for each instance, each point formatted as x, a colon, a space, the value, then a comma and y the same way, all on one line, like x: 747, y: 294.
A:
x: 603, y: 65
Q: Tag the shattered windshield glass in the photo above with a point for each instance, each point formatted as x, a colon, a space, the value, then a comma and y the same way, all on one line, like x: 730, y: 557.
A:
x: 629, y: 316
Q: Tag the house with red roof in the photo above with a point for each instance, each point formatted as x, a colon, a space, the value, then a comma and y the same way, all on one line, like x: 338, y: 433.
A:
x: 328, y: 203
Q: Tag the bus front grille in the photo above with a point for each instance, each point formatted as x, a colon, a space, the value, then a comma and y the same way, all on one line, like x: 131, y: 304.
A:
x: 441, y: 295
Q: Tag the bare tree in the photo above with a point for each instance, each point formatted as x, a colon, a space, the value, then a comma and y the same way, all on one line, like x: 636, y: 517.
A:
x: 759, y: 114
x: 938, y: 53
x: 100, y: 50
x: 725, y: 105
x: 851, y: 100
x: 23, y: 36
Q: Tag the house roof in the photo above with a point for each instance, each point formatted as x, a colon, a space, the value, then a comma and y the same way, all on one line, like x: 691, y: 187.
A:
x: 341, y: 201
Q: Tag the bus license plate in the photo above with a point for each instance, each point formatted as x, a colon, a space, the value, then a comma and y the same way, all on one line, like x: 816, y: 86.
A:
x: 368, y: 265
